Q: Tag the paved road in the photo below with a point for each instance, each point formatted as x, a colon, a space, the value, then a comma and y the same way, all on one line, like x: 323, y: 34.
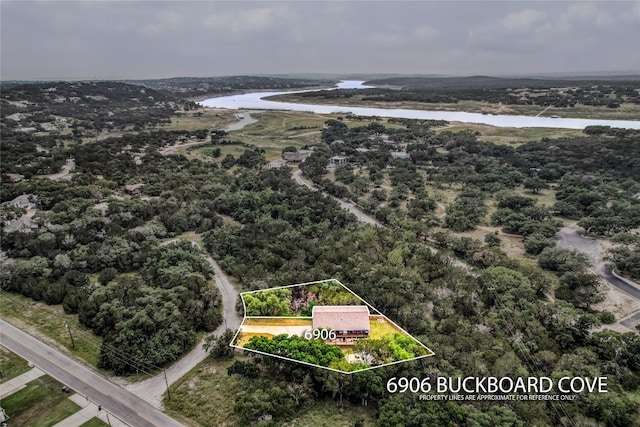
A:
x: 571, y: 237
x: 66, y: 171
x: 116, y: 400
x: 362, y: 217
x: 631, y: 321
x: 152, y: 389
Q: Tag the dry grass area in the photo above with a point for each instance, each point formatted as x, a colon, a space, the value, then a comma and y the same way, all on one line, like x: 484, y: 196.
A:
x: 619, y: 303
x: 47, y: 323
x: 244, y: 337
x: 210, y: 118
x: 511, y: 136
x: 204, y: 397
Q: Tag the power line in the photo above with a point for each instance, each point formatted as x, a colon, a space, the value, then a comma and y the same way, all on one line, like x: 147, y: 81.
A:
x: 529, y: 361
x: 138, y: 365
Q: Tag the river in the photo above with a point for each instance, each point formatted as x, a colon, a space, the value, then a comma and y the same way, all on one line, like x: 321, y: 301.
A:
x: 255, y: 101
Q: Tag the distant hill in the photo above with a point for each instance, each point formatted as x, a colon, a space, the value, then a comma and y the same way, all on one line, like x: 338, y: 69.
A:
x: 200, y: 86
x: 486, y: 82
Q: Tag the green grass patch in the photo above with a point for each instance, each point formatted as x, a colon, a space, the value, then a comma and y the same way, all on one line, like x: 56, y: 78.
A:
x: 41, y: 403
x: 378, y: 329
x: 94, y: 422
x: 49, y: 321
x: 253, y: 321
x: 11, y: 365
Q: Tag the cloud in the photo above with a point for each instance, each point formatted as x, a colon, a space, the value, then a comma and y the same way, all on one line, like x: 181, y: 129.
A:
x: 519, y: 31
x: 424, y: 33
x: 167, y: 38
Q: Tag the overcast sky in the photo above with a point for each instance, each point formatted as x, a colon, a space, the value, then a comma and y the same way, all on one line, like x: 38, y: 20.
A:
x: 142, y: 39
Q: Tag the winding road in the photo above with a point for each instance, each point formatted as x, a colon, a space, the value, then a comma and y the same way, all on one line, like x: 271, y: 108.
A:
x: 153, y: 389
x: 66, y: 171
x: 572, y: 238
x: 362, y: 217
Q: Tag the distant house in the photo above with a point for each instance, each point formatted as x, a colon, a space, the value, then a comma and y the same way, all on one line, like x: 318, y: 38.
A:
x: 15, y: 177
x: 296, y: 156
x: 133, y: 189
x: 26, y: 201
x: 277, y: 164
x: 349, y: 322
x: 401, y: 155
x: 338, y: 161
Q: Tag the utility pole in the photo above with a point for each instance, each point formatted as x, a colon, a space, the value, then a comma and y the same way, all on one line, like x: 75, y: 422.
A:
x: 73, y: 343
x: 167, y: 382
x: 108, y: 421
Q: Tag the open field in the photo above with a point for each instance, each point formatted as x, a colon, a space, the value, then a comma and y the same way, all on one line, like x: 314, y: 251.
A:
x: 511, y: 136
x: 39, y: 404
x: 47, y: 322
x: 624, y: 112
x: 210, y: 118
x: 196, y: 400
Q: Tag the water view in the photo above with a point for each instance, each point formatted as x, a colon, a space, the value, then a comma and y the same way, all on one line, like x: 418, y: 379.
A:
x: 256, y: 101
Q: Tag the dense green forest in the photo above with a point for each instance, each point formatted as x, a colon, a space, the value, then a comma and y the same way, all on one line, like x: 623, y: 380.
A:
x: 107, y: 255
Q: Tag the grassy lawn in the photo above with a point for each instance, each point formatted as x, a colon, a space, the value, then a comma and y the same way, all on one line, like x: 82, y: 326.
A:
x: 253, y: 321
x: 378, y: 329
x: 94, y: 422
x: 11, y: 365
x: 204, y: 397
x: 41, y: 403
x: 48, y: 322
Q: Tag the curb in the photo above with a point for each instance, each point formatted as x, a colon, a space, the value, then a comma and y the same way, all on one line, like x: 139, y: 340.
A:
x: 624, y: 279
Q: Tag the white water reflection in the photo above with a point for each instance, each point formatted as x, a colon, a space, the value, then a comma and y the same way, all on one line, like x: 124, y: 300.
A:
x: 254, y: 101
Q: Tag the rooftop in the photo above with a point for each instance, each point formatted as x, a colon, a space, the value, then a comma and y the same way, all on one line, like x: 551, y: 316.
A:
x: 341, y: 317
